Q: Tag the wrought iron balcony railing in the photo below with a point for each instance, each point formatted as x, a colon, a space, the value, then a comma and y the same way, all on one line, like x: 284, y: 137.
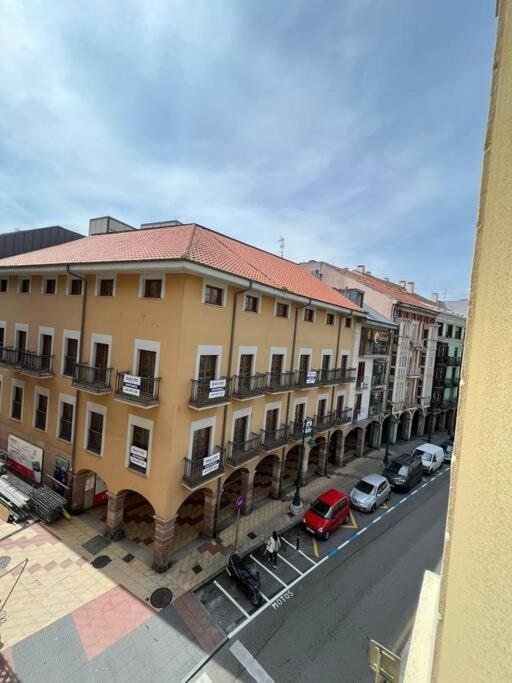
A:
x: 210, y: 392
x: 362, y: 383
x: 69, y: 366
x: 305, y: 379
x: 337, y: 376
x: 273, y: 438
x: 341, y: 417
x: 38, y: 364
x: 378, y: 380
x: 8, y: 356
x: 322, y: 423
x: 374, y: 348
x: 242, y: 451
x: 142, y: 391
x: 90, y: 378
x: 278, y: 382
x: 248, y: 386
x: 199, y: 470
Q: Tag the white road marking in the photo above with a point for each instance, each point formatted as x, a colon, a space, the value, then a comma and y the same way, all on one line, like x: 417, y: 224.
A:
x: 362, y: 530
x: 204, y: 678
x: 377, y: 519
x: 250, y: 664
x: 290, y: 564
x: 299, y: 551
x: 268, y: 570
x: 232, y: 599
x: 264, y: 596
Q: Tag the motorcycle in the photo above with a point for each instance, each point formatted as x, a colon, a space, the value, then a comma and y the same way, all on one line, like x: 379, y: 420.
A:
x: 246, y: 577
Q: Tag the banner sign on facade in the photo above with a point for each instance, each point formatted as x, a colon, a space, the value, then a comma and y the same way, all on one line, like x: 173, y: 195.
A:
x: 311, y: 377
x: 25, y: 457
x: 139, y: 457
x: 131, y: 385
x: 211, y: 463
x: 217, y: 388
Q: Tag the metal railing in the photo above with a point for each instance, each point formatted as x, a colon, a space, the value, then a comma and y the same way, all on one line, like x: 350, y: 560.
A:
x: 321, y: 423
x: 273, y: 438
x: 40, y: 421
x: 337, y: 376
x: 65, y: 429
x: 379, y: 380
x: 94, y: 439
x: 92, y: 378
x: 375, y: 409
x: 144, y: 391
x: 362, y: 383
x: 69, y: 366
x: 199, y: 470
x: 374, y: 348
x: 306, y: 378
x: 341, y: 417
x: 16, y: 410
x: 8, y: 356
x: 246, y: 386
x: 238, y: 453
x: 35, y: 363
x: 277, y: 382
x: 206, y: 392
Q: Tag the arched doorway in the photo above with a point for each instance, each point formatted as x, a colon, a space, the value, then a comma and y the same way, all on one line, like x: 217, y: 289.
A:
x: 314, y: 458
x: 139, y: 520
x: 291, y: 466
x: 335, y: 446
x: 89, y: 490
x: 189, y: 523
x: 351, y: 445
x: 385, y: 430
x: 368, y: 437
x: 415, y: 423
x: 400, y: 432
x: 231, y: 490
x: 262, y: 485
x: 429, y: 424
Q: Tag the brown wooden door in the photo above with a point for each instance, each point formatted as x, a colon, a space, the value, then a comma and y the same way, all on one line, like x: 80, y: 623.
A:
x: 322, y: 405
x: 240, y: 430
x: 325, y: 362
x: 271, y: 420
x: 246, y: 360
x: 357, y: 408
x: 277, y: 363
x: 207, y: 367
x: 299, y: 413
x: 304, y: 363
x: 344, y: 361
x: 201, y: 443
x: 21, y: 340
x: 101, y: 356
x: 360, y: 372
x: 339, y: 404
x: 147, y: 363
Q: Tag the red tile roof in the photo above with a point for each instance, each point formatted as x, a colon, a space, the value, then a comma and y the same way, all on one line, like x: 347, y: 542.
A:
x: 189, y: 243
x: 392, y: 290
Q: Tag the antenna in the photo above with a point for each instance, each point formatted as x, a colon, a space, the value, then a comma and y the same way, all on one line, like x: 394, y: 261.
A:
x: 445, y: 292
x: 281, y: 246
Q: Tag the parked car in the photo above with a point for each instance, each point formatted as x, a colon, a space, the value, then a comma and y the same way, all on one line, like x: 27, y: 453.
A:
x: 432, y: 457
x: 369, y: 492
x: 328, y: 511
x: 447, y: 447
x: 404, y: 472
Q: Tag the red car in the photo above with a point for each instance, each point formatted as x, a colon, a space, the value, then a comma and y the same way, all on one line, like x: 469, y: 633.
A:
x: 328, y: 511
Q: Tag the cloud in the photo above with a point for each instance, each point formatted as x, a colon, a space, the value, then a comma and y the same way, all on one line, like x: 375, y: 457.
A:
x: 339, y: 126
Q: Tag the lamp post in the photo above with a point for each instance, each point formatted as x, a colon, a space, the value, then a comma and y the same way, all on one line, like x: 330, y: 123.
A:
x: 391, y: 421
x: 296, y: 504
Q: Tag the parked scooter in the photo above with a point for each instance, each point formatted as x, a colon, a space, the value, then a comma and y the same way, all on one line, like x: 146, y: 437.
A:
x: 247, y: 578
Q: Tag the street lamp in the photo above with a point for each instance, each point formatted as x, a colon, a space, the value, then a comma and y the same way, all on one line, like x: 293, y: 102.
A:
x: 391, y: 421
x: 296, y: 504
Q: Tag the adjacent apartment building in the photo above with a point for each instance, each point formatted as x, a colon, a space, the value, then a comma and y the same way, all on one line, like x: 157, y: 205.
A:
x: 154, y: 375
x: 414, y: 344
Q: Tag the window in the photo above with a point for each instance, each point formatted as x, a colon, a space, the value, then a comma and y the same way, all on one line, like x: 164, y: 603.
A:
x: 24, y: 286
x: 322, y: 407
x: 271, y: 420
x: 21, y: 340
x: 4, y: 283
x: 70, y: 356
x: 17, y: 402
x: 95, y: 433
x: 201, y: 443
x: 153, y: 289
x: 240, y: 429
x: 66, y: 421
x: 139, y: 449
x: 41, y: 412
x: 207, y: 367
x: 282, y: 310
x: 449, y: 330
x: 251, y: 303
x: 246, y: 363
x: 276, y: 365
x: 106, y: 287
x: 2, y: 336
x: 326, y: 361
x: 330, y: 319
x: 339, y: 405
x: 357, y: 407
x: 49, y: 286
x: 147, y: 363
x: 45, y: 346
x: 75, y: 287
x: 348, y: 322
x: 309, y: 315
x: 299, y: 413
x: 213, y: 295
x: 304, y: 362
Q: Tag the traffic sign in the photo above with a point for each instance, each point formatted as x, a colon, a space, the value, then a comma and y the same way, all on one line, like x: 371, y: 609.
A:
x: 240, y: 501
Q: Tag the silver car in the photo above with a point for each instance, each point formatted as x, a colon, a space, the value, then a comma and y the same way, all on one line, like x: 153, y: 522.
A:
x: 369, y: 492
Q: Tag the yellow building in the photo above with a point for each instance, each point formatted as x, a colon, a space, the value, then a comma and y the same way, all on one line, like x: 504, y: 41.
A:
x: 155, y: 375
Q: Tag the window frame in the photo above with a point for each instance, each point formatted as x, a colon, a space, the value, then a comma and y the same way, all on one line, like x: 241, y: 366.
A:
x: 20, y: 384
x: 243, y: 412
x: 68, y: 334
x: 69, y: 285
x: 40, y: 391
x: 145, y: 345
x: 258, y: 303
x: 288, y: 309
x: 214, y: 285
x: 348, y: 322
x: 25, y: 279
x: 100, y: 339
x: 275, y: 405
x: 196, y: 426
x: 309, y: 310
x: 92, y: 407
x: 142, y: 285
x: 44, y: 282
x: 142, y: 423
x: 97, y: 286
x: 6, y: 290
x: 65, y: 398
x: 327, y: 314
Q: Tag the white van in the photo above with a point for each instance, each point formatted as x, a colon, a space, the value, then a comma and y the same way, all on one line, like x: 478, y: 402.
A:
x: 432, y: 457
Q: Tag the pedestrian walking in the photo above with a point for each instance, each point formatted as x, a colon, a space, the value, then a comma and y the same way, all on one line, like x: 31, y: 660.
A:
x: 273, y: 547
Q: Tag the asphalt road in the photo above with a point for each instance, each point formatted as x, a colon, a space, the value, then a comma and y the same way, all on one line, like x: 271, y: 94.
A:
x: 368, y: 590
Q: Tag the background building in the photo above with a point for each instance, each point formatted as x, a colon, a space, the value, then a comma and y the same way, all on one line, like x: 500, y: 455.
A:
x: 22, y: 241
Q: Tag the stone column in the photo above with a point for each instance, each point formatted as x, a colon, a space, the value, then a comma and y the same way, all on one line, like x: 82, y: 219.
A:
x: 360, y: 442
x: 77, y: 482
x: 247, y: 491
x: 376, y: 434
x: 393, y: 430
x: 277, y: 474
x: 115, y: 511
x: 421, y: 425
x: 163, y: 539
x: 322, y: 459
x: 408, y: 427
x: 211, y: 501
x: 442, y: 421
x: 305, y: 461
x: 340, y: 450
x: 449, y: 422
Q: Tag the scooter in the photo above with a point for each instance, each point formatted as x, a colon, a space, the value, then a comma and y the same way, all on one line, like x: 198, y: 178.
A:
x: 247, y: 578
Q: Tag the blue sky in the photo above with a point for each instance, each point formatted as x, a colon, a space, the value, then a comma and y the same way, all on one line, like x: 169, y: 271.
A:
x: 354, y: 129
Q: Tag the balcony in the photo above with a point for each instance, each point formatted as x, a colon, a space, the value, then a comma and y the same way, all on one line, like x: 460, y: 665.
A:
x: 69, y: 366
x: 142, y: 391
x: 342, y: 417
x: 307, y: 379
x: 337, y: 376
x: 199, y: 470
x: 378, y: 381
x: 414, y: 371
x: 244, y: 387
x: 91, y: 379
x: 362, y: 383
x: 279, y: 382
x: 274, y: 438
x: 27, y: 362
x: 452, y: 360
x: 374, y: 348
x: 8, y: 356
x: 205, y: 393
x: 322, y: 423
x: 238, y: 453
x: 417, y: 343
x: 375, y: 409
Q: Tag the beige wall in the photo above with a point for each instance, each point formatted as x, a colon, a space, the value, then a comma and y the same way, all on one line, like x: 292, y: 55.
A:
x: 179, y: 322
x: 475, y: 634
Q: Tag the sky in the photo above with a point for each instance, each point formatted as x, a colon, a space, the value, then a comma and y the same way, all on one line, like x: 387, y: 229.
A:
x: 353, y: 129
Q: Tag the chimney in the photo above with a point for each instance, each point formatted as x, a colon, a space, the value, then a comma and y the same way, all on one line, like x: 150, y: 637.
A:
x: 387, y: 279
x: 368, y: 272
x: 401, y: 283
x: 410, y: 287
x: 360, y: 269
x: 435, y: 297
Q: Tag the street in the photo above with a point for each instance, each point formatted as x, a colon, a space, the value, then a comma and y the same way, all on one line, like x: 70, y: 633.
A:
x: 326, y: 602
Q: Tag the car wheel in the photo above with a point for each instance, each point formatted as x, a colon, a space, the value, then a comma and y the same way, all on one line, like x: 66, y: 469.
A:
x: 326, y: 536
x: 388, y: 496
x: 374, y: 507
x: 256, y: 599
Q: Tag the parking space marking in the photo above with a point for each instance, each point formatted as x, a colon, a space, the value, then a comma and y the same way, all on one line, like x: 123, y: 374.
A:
x: 229, y: 597
x: 268, y: 570
x: 290, y: 564
x: 315, y: 546
x: 299, y: 551
x: 354, y: 523
x: 264, y: 596
x: 250, y: 664
x: 383, y: 506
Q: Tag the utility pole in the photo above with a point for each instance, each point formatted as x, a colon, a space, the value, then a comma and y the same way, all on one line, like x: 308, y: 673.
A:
x: 296, y: 504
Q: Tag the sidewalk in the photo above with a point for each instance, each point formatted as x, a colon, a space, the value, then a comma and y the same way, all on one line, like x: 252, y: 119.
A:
x: 100, y: 617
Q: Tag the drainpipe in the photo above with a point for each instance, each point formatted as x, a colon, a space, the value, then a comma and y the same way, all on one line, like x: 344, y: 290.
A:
x: 225, y: 415
x: 336, y: 359
x: 77, y: 391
